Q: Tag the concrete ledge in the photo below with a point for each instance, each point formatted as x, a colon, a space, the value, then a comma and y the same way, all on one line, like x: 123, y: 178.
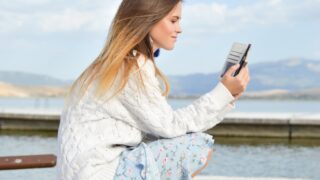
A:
x: 273, y: 118
x: 15, y: 119
x: 250, y: 130
x: 284, y: 125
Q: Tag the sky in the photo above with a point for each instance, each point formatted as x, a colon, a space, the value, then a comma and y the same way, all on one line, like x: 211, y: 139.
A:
x: 61, y: 38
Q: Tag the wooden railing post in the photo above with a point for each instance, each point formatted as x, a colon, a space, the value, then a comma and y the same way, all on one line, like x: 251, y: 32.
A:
x: 25, y: 162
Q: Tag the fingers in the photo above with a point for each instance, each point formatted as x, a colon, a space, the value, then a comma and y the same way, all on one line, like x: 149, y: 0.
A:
x: 247, y: 77
x: 244, y: 73
x: 238, y: 84
x: 244, y: 76
x: 232, y: 70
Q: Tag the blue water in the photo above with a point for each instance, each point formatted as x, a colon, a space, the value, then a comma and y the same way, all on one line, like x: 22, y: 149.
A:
x: 264, y: 105
x: 241, y: 105
x: 244, y: 157
x: 31, y: 103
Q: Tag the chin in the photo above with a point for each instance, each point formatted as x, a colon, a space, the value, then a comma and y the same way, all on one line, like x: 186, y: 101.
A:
x: 169, y: 47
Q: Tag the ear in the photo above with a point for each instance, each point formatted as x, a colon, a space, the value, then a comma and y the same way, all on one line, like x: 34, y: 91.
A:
x: 151, y: 40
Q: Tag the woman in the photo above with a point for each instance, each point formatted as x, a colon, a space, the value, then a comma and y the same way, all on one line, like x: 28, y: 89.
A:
x: 117, y: 123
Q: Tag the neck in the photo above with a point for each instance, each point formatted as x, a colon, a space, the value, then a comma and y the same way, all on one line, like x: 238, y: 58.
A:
x: 154, y: 45
x: 154, y: 48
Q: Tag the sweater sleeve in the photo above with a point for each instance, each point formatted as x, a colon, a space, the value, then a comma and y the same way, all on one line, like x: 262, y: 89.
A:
x: 154, y: 115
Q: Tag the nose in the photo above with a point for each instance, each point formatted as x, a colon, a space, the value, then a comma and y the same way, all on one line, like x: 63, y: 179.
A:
x: 179, y: 29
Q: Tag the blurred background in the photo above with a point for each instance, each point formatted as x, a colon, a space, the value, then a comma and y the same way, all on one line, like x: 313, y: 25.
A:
x: 45, y: 45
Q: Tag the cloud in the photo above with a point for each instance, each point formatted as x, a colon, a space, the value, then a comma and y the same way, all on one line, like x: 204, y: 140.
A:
x: 198, y: 17
x: 50, y: 16
x: 67, y: 20
x: 221, y: 17
x: 10, y: 4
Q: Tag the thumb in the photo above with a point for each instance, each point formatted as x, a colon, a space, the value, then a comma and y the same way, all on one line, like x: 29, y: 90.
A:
x: 233, y: 69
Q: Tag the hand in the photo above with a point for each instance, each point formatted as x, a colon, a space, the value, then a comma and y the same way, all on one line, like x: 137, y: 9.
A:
x: 238, y: 84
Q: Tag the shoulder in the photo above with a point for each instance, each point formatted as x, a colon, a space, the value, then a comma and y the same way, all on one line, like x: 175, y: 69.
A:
x: 144, y: 75
x: 146, y: 65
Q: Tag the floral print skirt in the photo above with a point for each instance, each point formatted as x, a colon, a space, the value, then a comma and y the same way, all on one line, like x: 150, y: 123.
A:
x: 172, y: 158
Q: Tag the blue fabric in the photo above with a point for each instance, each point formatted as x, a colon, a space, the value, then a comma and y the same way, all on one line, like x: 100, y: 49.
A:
x: 175, y: 158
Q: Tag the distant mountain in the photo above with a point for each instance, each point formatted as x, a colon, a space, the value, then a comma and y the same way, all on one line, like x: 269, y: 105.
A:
x: 289, y: 74
x: 289, y: 77
x: 31, y: 79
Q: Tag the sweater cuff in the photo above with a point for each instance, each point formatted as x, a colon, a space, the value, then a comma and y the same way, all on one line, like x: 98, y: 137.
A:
x: 221, y: 96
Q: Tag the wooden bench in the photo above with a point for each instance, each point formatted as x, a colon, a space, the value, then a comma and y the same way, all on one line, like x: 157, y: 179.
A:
x: 26, y: 162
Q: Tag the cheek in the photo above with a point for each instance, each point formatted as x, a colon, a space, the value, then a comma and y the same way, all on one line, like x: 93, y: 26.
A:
x: 167, y: 28
x: 163, y: 30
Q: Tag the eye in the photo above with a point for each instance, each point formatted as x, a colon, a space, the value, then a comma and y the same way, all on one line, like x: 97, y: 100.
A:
x: 173, y: 21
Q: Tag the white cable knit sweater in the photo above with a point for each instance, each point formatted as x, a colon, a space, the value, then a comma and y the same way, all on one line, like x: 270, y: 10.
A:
x: 91, y: 131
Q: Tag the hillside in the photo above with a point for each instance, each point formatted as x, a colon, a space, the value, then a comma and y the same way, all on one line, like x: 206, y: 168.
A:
x: 290, y: 78
x: 288, y: 75
x: 9, y: 90
x: 31, y: 79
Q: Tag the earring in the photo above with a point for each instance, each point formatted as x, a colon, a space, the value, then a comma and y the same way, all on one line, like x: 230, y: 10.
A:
x: 156, y: 53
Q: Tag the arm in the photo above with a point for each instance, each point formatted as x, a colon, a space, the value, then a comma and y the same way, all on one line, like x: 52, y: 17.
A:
x: 154, y: 115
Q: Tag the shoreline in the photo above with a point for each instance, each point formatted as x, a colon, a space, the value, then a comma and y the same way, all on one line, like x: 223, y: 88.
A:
x: 236, y: 124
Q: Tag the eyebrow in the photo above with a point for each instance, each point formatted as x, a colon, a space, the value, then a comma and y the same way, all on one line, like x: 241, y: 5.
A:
x: 177, y: 17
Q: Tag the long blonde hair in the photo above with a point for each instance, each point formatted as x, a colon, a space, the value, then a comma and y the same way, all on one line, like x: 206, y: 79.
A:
x: 129, y: 31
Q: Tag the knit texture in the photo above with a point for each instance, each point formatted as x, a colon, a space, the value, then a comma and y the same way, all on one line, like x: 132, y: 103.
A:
x: 93, y: 133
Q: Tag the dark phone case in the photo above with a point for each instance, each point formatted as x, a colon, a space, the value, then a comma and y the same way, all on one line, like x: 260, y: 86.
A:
x: 233, y: 58
x: 242, y: 61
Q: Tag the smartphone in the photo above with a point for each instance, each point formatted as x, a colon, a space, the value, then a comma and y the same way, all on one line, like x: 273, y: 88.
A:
x: 237, y: 55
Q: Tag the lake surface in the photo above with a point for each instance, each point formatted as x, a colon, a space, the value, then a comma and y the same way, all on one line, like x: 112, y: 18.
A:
x: 254, y: 157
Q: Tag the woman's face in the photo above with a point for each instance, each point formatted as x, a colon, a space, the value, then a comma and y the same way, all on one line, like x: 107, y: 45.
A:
x: 164, y: 34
